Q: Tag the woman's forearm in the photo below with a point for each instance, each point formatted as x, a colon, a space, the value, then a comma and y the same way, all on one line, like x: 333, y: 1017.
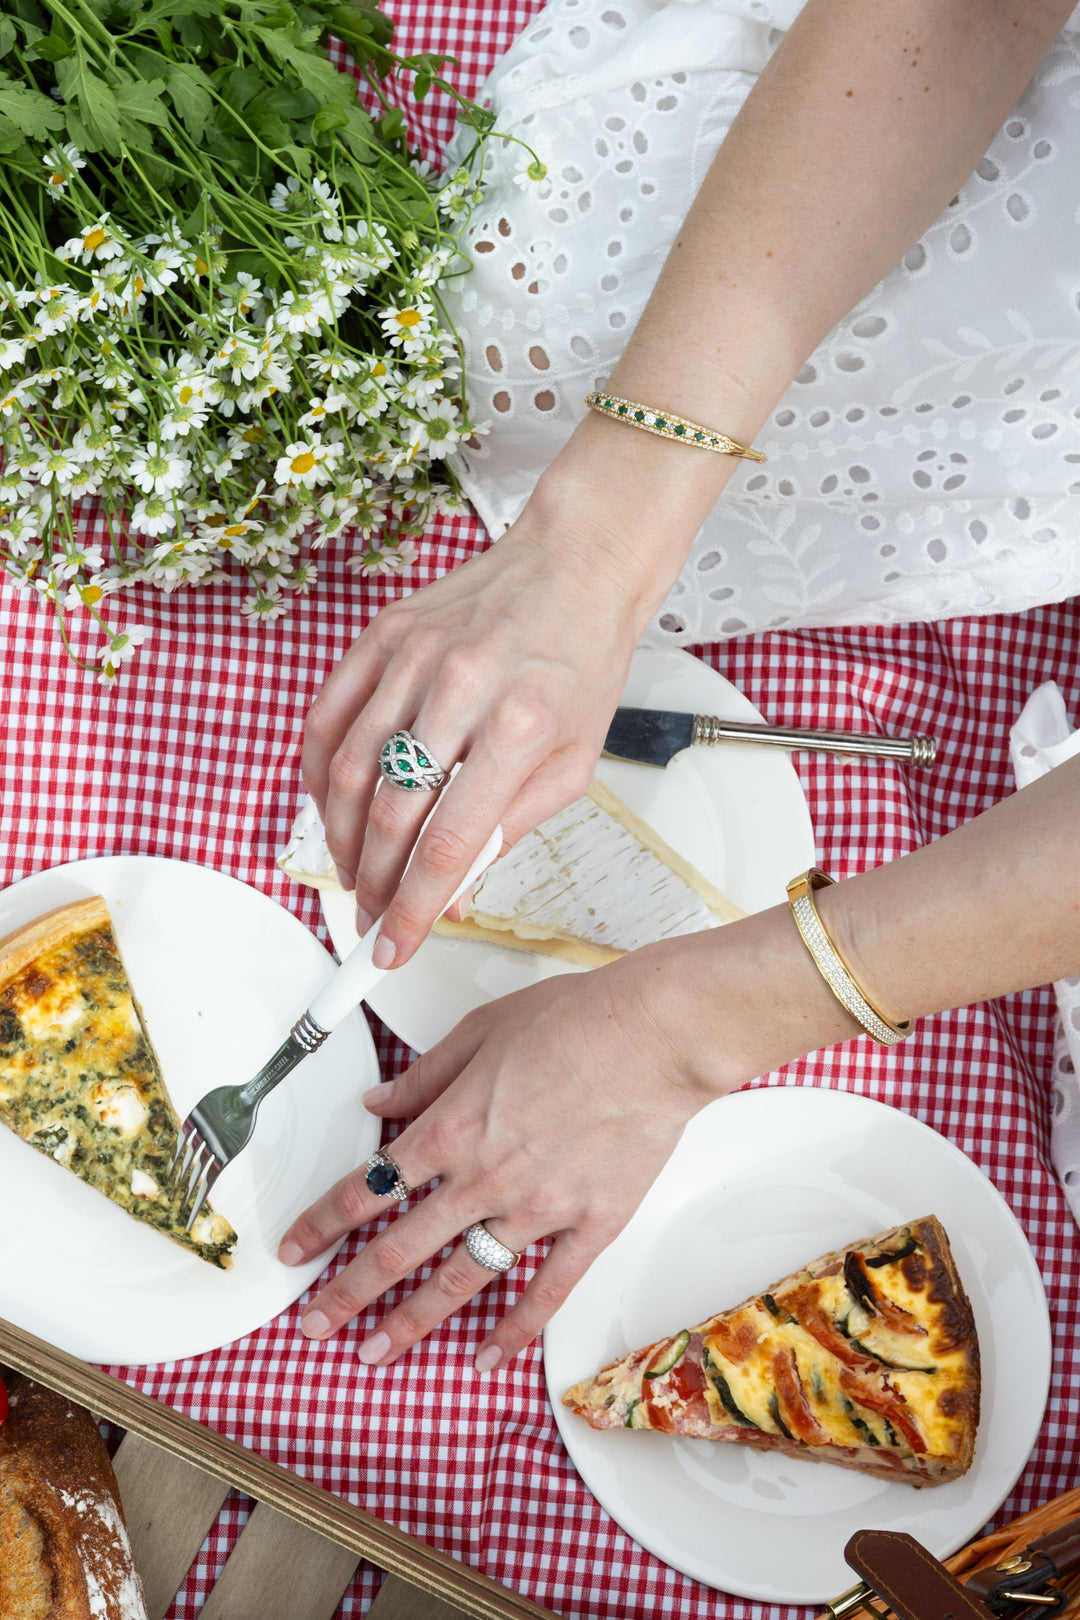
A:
x: 860, y: 130
x: 991, y: 908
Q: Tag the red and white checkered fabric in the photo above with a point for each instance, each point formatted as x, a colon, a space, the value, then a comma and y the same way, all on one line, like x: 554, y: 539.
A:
x: 196, y: 755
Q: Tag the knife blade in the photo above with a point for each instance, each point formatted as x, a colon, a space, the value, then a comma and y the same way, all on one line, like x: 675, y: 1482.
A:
x: 655, y: 736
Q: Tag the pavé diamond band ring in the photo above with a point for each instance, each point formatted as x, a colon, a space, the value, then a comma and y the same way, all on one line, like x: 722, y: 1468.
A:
x: 384, y: 1178
x: 487, y: 1250
x: 408, y: 763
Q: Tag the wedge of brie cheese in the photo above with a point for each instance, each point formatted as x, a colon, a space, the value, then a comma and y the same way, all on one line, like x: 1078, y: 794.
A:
x: 591, y: 883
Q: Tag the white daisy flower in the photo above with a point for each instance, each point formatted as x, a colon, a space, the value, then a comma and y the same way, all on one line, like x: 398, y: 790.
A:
x: 529, y: 172
x: 12, y: 352
x: 62, y: 163
x: 156, y: 471
x: 303, y: 578
x: 263, y: 606
x: 96, y: 244
x: 408, y: 326
x: 153, y: 515
x: 287, y: 197
x: 302, y: 311
x: 304, y: 464
x: 387, y: 559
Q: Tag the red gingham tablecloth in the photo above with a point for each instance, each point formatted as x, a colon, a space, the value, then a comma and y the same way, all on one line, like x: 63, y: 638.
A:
x: 196, y: 755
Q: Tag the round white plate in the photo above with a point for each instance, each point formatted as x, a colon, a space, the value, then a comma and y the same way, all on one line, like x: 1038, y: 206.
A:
x: 761, y: 1183
x: 736, y: 812
x: 221, y: 972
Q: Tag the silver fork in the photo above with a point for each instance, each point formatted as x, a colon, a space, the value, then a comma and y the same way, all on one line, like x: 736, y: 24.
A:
x: 222, y: 1122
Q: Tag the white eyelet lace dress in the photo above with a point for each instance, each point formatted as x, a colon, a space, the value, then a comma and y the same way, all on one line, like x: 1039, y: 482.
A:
x: 926, y: 460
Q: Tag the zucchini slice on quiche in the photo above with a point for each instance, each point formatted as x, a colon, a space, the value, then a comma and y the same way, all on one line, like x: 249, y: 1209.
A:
x: 867, y: 1358
x: 79, y: 1078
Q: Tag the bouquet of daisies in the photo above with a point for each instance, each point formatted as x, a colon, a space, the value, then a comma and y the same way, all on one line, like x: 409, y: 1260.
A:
x: 219, y: 317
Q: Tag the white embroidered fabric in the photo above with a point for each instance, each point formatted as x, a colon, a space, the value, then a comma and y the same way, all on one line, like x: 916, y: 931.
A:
x: 1041, y: 739
x: 926, y: 460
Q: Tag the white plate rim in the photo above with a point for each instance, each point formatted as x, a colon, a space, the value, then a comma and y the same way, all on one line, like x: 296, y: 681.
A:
x: 633, y: 1518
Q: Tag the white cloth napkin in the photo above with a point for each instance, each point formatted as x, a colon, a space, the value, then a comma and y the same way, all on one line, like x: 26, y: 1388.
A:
x: 1042, y: 738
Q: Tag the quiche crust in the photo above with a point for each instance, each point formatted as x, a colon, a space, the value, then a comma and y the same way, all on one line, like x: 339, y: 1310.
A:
x: 79, y: 1078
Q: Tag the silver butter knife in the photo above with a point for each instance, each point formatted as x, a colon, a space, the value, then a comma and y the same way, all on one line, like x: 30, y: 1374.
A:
x: 655, y: 736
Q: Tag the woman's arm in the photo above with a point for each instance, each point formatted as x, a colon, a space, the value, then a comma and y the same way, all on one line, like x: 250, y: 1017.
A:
x: 856, y: 136
x: 553, y: 1110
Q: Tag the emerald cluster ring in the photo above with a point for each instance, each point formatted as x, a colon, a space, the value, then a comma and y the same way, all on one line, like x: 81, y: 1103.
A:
x: 408, y: 763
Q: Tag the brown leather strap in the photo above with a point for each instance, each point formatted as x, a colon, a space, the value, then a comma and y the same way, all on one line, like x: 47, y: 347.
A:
x: 1062, y: 1546
x: 1051, y: 1557
x: 912, y: 1581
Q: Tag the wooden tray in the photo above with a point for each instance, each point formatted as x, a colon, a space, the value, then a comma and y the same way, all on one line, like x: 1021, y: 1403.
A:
x: 301, y: 1546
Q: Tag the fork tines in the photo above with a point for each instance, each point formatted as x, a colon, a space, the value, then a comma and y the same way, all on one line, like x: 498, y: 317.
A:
x: 194, y: 1164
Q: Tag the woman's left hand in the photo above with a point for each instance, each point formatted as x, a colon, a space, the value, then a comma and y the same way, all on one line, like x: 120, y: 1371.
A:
x: 549, y: 1112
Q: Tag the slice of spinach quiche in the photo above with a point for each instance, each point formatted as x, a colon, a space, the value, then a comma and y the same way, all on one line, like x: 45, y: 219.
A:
x: 79, y: 1078
x: 867, y: 1358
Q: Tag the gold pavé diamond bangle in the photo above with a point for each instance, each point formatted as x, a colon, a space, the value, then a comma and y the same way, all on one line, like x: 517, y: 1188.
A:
x: 800, y: 893
x: 669, y: 426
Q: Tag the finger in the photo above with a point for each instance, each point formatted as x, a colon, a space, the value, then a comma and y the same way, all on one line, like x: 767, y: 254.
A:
x: 394, y: 820
x: 355, y: 774
x: 392, y: 1255
x: 451, y: 1285
x: 557, y: 782
x: 419, y: 1085
x: 469, y: 811
x: 348, y: 1204
x: 568, y: 1259
x: 346, y: 692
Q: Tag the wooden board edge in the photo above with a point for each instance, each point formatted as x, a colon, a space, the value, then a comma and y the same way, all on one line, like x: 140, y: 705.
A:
x: 382, y: 1544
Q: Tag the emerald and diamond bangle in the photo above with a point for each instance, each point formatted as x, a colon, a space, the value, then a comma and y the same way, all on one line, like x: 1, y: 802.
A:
x: 669, y: 426
x: 830, y: 964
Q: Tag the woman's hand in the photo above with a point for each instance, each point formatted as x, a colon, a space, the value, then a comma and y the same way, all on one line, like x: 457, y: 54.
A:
x: 551, y: 1111
x: 511, y: 665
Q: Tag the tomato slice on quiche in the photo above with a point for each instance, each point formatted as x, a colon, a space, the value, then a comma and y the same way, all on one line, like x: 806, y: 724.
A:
x: 79, y: 1078
x: 867, y: 1358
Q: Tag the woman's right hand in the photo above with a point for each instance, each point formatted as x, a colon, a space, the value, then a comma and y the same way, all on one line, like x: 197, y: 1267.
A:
x: 512, y: 664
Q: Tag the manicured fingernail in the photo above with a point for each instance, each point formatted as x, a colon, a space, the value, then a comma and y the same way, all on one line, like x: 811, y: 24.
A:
x: 375, y: 1348
x: 290, y: 1254
x: 377, y: 1094
x: 383, y: 954
x: 346, y: 879
x: 363, y: 921
x: 488, y: 1357
x: 315, y: 1324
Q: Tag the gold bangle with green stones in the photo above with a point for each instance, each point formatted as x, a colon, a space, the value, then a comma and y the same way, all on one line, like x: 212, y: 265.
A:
x: 669, y: 426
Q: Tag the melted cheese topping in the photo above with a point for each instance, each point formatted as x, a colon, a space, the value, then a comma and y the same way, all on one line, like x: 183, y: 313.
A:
x: 582, y: 875
x: 80, y: 1082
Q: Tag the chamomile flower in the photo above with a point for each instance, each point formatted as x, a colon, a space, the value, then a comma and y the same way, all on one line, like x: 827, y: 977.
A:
x: 385, y: 559
x: 62, y: 162
x: 303, y: 311
x: 96, y: 244
x: 12, y: 352
x: 529, y: 172
x: 153, y: 515
x: 156, y: 471
x: 304, y: 464
x: 303, y: 578
x: 264, y: 606
x: 408, y: 326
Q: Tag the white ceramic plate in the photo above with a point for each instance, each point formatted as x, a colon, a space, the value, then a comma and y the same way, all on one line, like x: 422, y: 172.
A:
x: 736, y: 812
x: 221, y: 972
x: 762, y: 1182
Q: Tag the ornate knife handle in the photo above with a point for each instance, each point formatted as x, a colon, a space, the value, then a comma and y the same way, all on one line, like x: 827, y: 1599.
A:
x: 916, y: 750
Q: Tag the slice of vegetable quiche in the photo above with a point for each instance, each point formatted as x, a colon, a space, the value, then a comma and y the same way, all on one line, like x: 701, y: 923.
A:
x: 79, y: 1079
x: 867, y: 1358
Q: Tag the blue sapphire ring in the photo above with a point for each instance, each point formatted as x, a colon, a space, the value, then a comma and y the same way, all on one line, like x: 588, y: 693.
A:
x: 384, y: 1179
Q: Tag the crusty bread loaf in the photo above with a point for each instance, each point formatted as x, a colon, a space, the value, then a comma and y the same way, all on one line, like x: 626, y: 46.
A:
x: 64, y: 1549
